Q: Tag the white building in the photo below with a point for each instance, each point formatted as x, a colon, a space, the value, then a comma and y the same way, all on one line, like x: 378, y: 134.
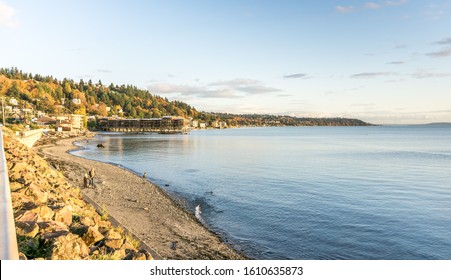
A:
x: 13, y: 101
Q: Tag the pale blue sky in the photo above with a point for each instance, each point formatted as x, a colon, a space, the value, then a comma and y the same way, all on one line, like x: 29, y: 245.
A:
x: 380, y: 61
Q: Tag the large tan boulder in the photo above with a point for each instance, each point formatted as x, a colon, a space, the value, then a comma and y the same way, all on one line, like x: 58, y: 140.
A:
x: 113, y: 239
x: 64, y: 215
x: 45, y: 213
x: 92, y: 236
x: 69, y: 247
x: 37, y: 193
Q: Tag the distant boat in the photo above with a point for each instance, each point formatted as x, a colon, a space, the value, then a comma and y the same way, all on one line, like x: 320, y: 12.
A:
x: 100, y: 146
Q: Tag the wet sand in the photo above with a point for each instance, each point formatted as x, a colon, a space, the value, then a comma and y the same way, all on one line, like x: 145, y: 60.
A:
x: 140, y: 206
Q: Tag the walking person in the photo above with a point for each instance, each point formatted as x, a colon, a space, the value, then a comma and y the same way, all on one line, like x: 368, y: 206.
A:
x: 85, y: 181
x: 92, y: 173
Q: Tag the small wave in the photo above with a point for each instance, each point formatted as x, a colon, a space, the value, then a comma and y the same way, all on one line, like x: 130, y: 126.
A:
x: 198, y: 214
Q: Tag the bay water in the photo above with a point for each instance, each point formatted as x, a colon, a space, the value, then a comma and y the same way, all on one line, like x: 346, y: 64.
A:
x: 378, y: 192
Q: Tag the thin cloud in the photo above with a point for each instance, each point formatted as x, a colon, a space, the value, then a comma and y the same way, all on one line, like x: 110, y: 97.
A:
x: 187, y: 90
x: 369, y: 75
x: 295, y: 76
x: 442, y: 53
x: 103, y: 70
x: 372, y: 5
x: 396, y: 62
x: 344, y: 9
x: 237, y: 88
x: 446, y: 41
x: 245, y: 85
x: 396, y: 3
x: 426, y: 75
x: 8, y: 16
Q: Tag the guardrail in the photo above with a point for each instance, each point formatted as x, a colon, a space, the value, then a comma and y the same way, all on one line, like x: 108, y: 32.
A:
x: 8, y: 240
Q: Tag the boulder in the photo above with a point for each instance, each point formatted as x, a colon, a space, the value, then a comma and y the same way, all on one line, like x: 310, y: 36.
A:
x: 29, y: 216
x: 27, y: 229
x: 113, y: 239
x: 92, y: 236
x: 64, y: 215
x: 45, y: 213
x: 37, y: 193
x: 87, y: 221
x: 69, y: 247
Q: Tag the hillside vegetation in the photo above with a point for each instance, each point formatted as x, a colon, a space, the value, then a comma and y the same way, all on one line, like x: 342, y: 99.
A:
x: 53, y: 96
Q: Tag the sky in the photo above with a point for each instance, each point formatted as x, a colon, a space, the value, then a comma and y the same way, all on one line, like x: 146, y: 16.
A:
x: 385, y: 62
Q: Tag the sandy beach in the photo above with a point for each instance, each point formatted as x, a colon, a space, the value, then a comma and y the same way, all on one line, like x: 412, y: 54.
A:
x: 139, y: 206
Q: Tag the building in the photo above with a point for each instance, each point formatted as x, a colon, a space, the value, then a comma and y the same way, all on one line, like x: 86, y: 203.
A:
x: 45, y: 121
x: 69, y: 122
x: 194, y: 123
x: 13, y: 101
x: 166, y: 124
x: 63, y: 125
x: 77, y: 121
x: 76, y: 101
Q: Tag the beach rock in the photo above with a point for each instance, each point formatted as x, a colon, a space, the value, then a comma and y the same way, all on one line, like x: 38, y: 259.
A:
x: 45, y: 213
x: 92, y: 236
x: 113, y: 239
x: 52, y: 229
x: 37, y: 193
x: 118, y: 254
x: 139, y: 255
x: 69, y: 247
x: 27, y: 229
x: 15, y: 186
x: 87, y: 221
x: 29, y: 216
x: 64, y: 215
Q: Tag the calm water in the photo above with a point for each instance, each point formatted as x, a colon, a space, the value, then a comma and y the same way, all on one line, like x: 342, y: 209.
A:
x: 306, y: 192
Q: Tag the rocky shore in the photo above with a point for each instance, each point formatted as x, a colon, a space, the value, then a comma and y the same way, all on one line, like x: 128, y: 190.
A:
x: 52, y: 219
x: 163, y: 227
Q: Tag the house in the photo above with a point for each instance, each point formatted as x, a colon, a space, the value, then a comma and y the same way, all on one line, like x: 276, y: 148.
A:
x: 69, y: 122
x: 44, y: 121
x: 63, y: 125
x: 77, y: 121
x: 202, y: 125
x: 215, y: 124
x: 76, y: 101
x: 13, y: 101
x: 194, y: 123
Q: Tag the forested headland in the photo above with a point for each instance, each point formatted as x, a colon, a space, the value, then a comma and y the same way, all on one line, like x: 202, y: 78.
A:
x: 52, y: 96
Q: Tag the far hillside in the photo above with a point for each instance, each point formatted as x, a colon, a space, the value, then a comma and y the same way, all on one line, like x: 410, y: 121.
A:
x: 27, y: 93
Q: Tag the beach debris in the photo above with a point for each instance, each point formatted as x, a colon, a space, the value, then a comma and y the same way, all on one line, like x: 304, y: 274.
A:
x: 131, y: 200
x: 173, y: 245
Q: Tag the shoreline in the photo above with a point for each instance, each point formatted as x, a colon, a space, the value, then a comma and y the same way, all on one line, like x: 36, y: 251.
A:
x: 139, y: 205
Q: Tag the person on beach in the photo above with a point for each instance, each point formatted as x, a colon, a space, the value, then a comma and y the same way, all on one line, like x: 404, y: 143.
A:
x: 86, y: 181
x: 92, y: 173
x: 145, y: 175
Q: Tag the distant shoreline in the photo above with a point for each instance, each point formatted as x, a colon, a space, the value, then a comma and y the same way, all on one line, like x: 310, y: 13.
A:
x: 140, y: 206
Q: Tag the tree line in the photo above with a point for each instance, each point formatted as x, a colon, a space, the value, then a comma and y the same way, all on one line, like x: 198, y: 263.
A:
x: 53, y: 96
